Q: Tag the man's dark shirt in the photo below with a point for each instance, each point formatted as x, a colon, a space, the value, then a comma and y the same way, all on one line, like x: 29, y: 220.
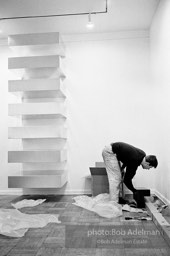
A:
x: 131, y: 158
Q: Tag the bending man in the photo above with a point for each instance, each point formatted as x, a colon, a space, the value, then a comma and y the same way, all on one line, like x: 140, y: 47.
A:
x: 131, y: 158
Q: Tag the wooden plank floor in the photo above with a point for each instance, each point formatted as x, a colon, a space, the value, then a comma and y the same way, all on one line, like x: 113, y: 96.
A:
x: 50, y: 240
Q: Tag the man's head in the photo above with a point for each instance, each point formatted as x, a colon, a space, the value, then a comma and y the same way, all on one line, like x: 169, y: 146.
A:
x: 149, y: 162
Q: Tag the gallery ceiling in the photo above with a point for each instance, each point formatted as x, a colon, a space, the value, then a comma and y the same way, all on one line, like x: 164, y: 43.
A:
x: 71, y: 16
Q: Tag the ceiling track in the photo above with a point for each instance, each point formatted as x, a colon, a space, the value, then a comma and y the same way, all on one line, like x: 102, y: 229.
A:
x: 55, y: 15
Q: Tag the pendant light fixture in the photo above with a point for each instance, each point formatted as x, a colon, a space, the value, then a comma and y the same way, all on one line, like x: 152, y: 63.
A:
x: 90, y: 24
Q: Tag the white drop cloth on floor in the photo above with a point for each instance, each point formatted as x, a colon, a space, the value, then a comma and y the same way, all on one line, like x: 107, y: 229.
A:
x: 27, y: 203
x: 99, y: 204
x: 14, y: 223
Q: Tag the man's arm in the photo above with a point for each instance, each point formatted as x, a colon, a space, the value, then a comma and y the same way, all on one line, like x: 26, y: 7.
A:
x: 130, y: 173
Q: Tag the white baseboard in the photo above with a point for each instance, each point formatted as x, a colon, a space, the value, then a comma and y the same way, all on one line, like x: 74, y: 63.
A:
x: 19, y: 192
x: 16, y: 192
x: 78, y: 192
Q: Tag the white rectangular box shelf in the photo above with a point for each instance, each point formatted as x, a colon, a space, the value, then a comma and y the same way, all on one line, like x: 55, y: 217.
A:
x: 35, y: 156
x: 37, y: 181
x: 34, y: 132
x: 47, y: 88
x: 32, y: 109
x: 31, y: 62
x: 34, y: 39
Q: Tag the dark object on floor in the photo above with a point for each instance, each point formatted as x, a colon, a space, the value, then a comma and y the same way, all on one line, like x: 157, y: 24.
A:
x: 128, y: 218
x: 138, y: 218
x: 139, y: 198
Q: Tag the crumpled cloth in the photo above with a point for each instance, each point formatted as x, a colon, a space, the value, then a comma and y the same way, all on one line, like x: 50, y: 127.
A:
x: 15, y: 223
x: 27, y: 203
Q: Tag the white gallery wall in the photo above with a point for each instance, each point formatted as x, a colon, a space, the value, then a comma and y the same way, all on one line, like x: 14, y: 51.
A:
x: 109, y: 98
x: 160, y: 60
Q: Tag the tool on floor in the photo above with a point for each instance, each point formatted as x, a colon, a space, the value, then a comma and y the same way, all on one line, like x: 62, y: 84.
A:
x: 138, y: 218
